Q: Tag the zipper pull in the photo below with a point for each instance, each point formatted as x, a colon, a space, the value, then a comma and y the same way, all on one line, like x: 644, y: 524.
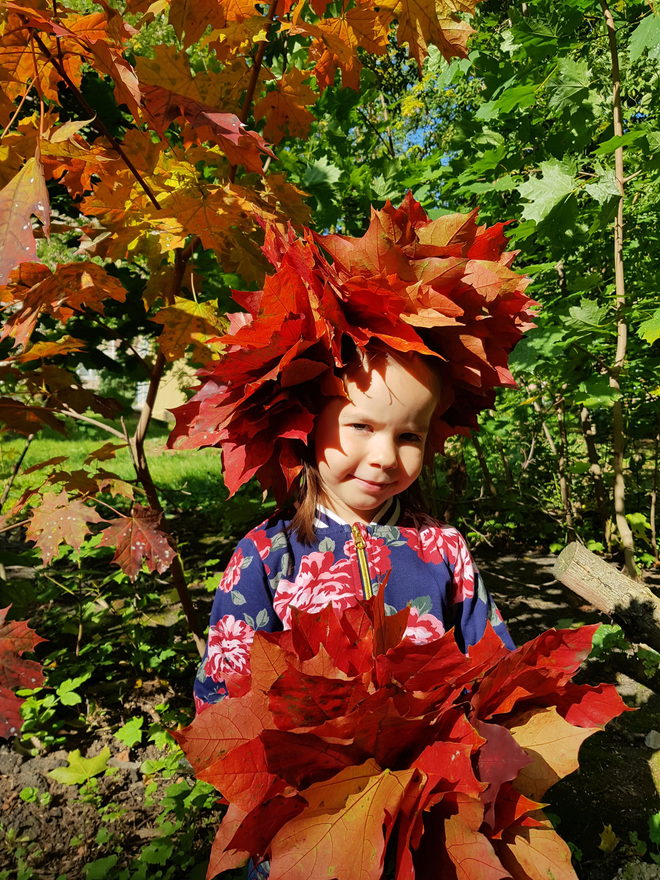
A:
x: 358, y: 537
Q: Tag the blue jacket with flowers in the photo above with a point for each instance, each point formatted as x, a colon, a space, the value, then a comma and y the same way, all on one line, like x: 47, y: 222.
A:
x: 427, y: 564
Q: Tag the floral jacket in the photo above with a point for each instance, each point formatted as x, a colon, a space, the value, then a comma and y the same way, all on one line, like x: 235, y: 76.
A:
x: 429, y: 566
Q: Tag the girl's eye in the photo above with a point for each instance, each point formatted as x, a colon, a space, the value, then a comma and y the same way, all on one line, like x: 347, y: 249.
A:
x: 360, y: 426
x: 411, y: 438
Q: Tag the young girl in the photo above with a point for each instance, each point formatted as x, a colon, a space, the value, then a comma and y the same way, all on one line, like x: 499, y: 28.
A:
x: 338, y: 383
x: 354, y: 529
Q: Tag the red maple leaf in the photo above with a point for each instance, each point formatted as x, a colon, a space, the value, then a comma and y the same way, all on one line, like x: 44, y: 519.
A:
x: 350, y: 739
x: 16, y: 638
x: 139, y: 539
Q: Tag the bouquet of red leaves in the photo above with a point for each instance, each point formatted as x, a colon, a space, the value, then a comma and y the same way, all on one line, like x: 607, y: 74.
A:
x: 353, y: 753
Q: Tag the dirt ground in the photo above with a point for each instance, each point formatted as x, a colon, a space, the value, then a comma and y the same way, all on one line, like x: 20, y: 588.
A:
x: 617, y: 784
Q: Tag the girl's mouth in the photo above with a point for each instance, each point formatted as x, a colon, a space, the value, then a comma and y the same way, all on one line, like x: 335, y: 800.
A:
x: 371, y: 486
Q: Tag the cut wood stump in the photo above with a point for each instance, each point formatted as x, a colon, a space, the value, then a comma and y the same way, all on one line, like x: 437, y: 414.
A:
x: 636, y: 608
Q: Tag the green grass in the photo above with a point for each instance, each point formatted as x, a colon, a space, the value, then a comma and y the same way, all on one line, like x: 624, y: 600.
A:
x: 179, y: 474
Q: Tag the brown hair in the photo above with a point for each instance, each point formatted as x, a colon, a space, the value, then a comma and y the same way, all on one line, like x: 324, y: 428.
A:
x: 310, y: 491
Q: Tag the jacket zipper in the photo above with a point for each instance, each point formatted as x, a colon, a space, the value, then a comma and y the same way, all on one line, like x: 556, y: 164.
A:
x: 363, y: 565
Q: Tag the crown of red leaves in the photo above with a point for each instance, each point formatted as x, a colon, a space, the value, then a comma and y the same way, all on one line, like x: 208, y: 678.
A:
x: 442, y: 288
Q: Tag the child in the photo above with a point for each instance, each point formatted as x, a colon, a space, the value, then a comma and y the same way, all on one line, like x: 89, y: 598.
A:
x: 369, y: 450
x: 338, y: 383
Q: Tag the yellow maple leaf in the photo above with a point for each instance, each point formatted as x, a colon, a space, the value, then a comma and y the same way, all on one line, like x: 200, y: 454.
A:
x: 189, y: 323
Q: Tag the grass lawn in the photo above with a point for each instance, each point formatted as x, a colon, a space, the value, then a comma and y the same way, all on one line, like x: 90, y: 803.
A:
x: 177, y: 473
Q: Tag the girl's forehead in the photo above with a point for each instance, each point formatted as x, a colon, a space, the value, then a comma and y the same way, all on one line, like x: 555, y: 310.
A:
x: 392, y: 386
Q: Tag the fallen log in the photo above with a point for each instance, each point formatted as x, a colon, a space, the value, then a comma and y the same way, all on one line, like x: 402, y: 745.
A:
x: 633, y: 605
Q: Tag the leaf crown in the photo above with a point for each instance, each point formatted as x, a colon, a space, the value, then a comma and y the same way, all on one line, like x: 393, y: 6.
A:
x: 443, y: 288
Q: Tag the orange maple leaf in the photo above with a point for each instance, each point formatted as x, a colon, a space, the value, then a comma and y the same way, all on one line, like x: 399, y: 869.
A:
x: 344, y: 830
x: 285, y: 106
x: 552, y: 744
x: 58, y: 521
x: 16, y: 637
x: 60, y: 293
x: 421, y: 22
x: 535, y: 853
x: 24, y: 196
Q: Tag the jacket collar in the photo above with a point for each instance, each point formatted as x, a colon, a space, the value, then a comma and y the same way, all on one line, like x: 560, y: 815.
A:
x: 387, y: 515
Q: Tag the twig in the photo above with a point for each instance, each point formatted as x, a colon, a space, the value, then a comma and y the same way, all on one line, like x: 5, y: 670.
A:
x: 81, y: 418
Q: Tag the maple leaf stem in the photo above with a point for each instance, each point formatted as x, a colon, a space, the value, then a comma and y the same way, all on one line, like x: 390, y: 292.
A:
x: 96, y: 122
x: 17, y: 112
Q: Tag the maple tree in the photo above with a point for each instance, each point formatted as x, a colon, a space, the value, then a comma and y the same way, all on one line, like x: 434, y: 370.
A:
x: 16, y: 638
x: 346, y: 738
x: 171, y: 187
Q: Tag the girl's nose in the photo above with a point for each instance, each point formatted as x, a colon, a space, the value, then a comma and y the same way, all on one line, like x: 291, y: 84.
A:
x: 383, y: 452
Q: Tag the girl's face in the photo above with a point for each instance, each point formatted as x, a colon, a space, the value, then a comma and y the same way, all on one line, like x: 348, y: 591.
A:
x: 370, y: 446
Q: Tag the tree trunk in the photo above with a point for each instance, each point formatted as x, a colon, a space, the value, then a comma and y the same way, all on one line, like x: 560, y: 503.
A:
x: 562, y: 467
x: 618, y: 433
x: 589, y: 434
x: 612, y: 592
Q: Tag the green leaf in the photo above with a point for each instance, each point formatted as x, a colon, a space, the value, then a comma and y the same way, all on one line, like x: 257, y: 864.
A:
x: 321, y: 172
x: 130, y: 733
x: 237, y: 598
x: 66, y: 691
x: 650, y: 330
x: 589, y: 313
x: 570, y: 87
x: 622, y: 140
x: 595, y: 392
x: 98, y: 869
x: 81, y: 769
x: 646, y: 36
x: 515, y: 98
x: 543, y: 194
x: 158, y: 852
x: 603, y: 188
x: 262, y: 618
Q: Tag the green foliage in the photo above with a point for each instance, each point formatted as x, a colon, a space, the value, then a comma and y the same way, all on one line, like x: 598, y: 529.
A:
x: 80, y: 770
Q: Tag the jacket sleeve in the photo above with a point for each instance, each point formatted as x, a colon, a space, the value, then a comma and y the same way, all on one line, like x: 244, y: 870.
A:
x: 243, y: 603
x: 473, y: 604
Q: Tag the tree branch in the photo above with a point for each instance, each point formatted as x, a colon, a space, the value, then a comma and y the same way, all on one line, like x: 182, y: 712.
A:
x: 95, y: 121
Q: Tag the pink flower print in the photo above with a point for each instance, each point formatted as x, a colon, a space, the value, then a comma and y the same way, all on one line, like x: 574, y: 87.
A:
x: 232, y: 573
x: 427, y: 543
x: 423, y: 628
x: 261, y: 541
x: 319, y: 581
x: 464, y: 574
x: 228, y: 650
x: 378, y: 554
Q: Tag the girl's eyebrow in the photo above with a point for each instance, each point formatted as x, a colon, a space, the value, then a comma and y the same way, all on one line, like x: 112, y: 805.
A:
x: 360, y: 416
